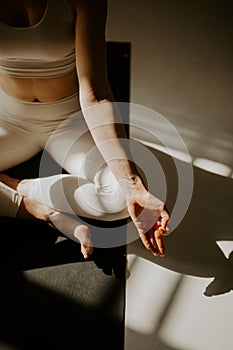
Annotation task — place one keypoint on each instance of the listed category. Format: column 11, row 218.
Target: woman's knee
column 108, row 189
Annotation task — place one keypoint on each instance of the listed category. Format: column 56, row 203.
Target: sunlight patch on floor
column 202, row 163
column 212, row 166
column 148, row 290
column 196, row 322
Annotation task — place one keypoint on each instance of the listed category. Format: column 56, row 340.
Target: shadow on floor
column 191, row 248
column 35, row 315
column 138, row 341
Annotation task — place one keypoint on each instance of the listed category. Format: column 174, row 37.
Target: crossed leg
column 89, row 189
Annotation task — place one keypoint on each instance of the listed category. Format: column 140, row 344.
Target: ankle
column 23, row 186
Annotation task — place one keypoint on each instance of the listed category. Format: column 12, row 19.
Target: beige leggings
column 26, row 128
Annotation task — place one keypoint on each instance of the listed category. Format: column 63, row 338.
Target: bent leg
column 15, row 204
column 18, row 142
column 16, row 145
column 90, row 190
column 73, row 195
column 10, row 201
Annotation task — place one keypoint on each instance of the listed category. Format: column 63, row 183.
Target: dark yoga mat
column 50, row 298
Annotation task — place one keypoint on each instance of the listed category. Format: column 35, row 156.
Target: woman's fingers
column 152, row 224
column 164, row 215
column 154, row 246
column 159, row 242
column 153, row 241
column 145, row 240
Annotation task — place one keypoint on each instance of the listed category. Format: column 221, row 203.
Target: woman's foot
column 33, row 210
column 73, row 229
column 23, row 186
column 69, row 226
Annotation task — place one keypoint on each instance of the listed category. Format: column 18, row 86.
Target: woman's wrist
column 131, row 185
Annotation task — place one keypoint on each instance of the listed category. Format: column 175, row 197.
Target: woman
column 55, row 95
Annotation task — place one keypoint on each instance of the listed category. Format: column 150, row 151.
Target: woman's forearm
column 108, row 131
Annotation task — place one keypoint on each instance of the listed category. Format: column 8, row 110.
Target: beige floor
column 167, row 310
column 181, row 66
column 184, row 301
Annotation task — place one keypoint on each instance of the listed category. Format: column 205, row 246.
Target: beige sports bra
column 46, row 49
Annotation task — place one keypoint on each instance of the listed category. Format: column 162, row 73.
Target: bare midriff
column 40, row 89
column 35, row 89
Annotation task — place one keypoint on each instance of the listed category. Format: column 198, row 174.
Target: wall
column 181, row 67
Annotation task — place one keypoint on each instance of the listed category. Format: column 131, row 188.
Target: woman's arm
column 105, row 123
column 96, row 98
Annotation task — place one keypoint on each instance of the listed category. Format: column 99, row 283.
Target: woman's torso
column 27, row 13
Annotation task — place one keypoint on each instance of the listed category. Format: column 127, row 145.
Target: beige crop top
column 46, row 49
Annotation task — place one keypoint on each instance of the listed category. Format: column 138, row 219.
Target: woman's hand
column 149, row 215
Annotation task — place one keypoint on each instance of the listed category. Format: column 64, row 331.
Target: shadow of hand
column 222, row 283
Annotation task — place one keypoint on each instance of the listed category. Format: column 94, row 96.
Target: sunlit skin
column 148, row 213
